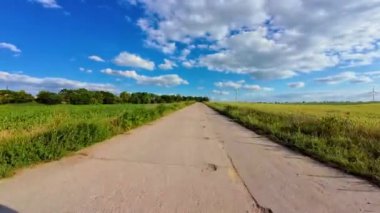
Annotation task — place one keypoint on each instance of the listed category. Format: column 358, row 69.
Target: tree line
column 84, row 96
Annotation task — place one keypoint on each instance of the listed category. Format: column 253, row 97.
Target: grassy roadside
column 33, row 134
column 350, row 144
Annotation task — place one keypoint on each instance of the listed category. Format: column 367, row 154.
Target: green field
column 344, row 135
column 32, row 133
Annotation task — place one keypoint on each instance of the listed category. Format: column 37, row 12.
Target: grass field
column 346, row 136
column 32, row 133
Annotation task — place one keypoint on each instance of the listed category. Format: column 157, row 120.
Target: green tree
column 9, row 96
column 22, row 97
column 125, row 97
column 45, row 97
column 109, row 98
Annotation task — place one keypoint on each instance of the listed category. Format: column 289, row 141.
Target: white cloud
column 220, row 92
column 252, row 87
column 96, row 58
column 253, row 53
column 200, row 88
column 82, row 69
column 361, row 79
column 167, row 65
column 188, row 64
column 373, row 74
column 184, row 53
column 267, row 89
column 299, row 84
column 351, row 77
column 316, row 96
column 162, row 80
column 183, row 21
column 132, row 60
column 33, row 84
column 267, row 39
column 48, row 3
column 230, row 84
column 241, row 85
column 10, row 47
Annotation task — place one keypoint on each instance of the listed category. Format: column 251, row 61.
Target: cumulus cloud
column 184, row 53
column 188, row 64
column 373, row 74
column 33, row 84
column 167, row 65
column 220, row 92
column 48, row 3
column 82, row 69
column 348, row 76
column 96, row 58
column 162, row 80
column 241, row 85
column 267, row 39
column 299, row 84
column 253, row 87
column 10, row 47
column 131, row 60
column 230, row 84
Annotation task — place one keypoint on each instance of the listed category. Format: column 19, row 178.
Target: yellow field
column 347, row 135
column 369, row 112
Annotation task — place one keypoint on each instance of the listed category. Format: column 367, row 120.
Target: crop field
column 32, row 133
column 344, row 135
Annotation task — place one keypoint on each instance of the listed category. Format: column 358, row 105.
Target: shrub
column 8, row 96
column 50, row 98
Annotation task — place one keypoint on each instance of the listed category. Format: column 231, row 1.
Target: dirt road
column 193, row 160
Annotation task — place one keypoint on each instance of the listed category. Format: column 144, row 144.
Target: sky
column 255, row 50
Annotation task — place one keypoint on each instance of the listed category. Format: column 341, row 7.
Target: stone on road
column 193, row 160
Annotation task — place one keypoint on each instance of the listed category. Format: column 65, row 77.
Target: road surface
column 193, row 160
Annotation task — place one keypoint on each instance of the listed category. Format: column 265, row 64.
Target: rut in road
column 193, row 160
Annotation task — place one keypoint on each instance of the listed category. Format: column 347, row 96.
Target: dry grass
column 347, row 136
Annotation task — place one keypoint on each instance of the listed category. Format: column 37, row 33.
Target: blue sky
column 209, row 48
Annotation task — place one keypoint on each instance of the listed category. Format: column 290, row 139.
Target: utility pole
column 373, row 94
column 236, row 94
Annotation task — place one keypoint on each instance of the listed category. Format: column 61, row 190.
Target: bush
column 8, row 96
column 50, row 98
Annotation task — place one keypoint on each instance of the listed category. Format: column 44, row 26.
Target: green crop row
column 72, row 131
column 349, row 144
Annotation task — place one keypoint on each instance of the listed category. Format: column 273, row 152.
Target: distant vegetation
column 347, row 136
column 31, row 133
column 35, row 133
column 84, row 97
column 9, row 97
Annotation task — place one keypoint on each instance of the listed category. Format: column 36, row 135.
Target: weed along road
column 193, row 160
